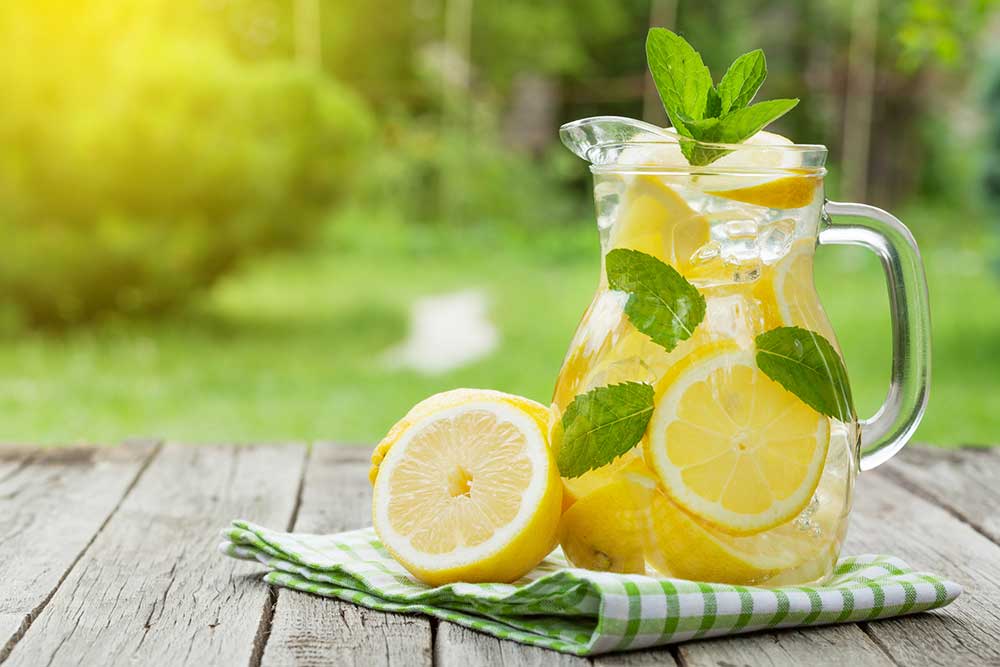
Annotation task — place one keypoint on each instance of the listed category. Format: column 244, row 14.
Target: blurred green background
column 217, row 216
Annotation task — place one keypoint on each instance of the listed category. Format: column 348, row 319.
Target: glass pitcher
column 707, row 337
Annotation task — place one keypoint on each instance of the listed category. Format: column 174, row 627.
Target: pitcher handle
column 885, row 433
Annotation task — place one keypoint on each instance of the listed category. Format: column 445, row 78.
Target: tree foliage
column 142, row 158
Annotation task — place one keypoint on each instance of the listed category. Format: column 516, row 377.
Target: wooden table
column 108, row 557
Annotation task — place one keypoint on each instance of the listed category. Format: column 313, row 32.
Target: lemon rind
column 713, row 513
column 464, row 556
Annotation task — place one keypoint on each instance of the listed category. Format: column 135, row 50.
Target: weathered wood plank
column 152, row 589
column 654, row 657
column 965, row 481
column 52, row 503
column 310, row 630
column 832, row 646
column 890, row 519
column 455, row 646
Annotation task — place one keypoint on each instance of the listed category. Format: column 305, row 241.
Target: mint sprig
column 661, row 303
column 701, row 111
column 806, row 364
column 742, row 81
column 603, row 424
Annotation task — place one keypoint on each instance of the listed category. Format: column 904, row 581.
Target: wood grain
column 965, row 481
column 152, row 589
column 108, row 562
column 653, row 657
column 890, row 519
column 52, row 503
column 310, row 630
column 455, row 646
column 833, row 646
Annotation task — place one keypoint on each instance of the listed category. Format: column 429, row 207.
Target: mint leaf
column 661, row 303
column 703, row 127
column 603, row 424
column 706, row 130
column 733, row 128
column 680, row 76
column 740, row 125
column 806, row 364
column 713, row 104
column 699, row 111
column 742, row 81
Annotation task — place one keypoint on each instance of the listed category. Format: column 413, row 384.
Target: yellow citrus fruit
column 656, row 220
column 803, row 549
column 679, row 546
column 788, row 295
column 780, row 193
column 447, row 399
column 730, row 445
column 575, row 488
column 469, row 492
column 605, row 529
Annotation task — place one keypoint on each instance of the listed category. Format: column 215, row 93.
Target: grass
column 291, row 348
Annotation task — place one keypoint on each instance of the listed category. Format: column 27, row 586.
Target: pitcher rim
column 811, row 157
column 744, row 146
column 610, row 153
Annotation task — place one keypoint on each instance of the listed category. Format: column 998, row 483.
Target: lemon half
column 469, row 491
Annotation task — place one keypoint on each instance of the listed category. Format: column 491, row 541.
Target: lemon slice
column 606, row 528
column 780, row 193
column 679, row 546
column 730, row 445
column 469, row 492
column 657, row 221
column 788, row 294
column 803, row 549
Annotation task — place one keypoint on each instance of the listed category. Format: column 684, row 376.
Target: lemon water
column 736, row 479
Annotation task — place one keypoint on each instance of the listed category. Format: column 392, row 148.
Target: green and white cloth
column 580, row 611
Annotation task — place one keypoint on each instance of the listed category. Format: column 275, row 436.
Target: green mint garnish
column 806, row 364
column 701, row 111
column 603, row 424
column 742, row 81
column 661, row 303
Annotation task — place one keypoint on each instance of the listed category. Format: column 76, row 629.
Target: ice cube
column 734, row 316
column 607, row 199
column 738, row 241
column 775, row 239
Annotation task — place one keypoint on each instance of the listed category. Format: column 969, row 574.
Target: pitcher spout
column 584, row 135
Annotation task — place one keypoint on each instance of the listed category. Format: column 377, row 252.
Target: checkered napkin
column 580, row 611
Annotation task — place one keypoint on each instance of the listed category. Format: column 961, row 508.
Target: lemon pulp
column 469, row 492
column 445, row 399
column 732, row 446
